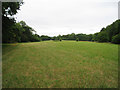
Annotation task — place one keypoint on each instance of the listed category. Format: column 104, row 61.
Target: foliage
column 60, row 39
column 27, row 33
column 12, row 31
column 77, row 39
column 21, row 32
column 102, row 37
column 10, row 8
column 8, row 23
column 45, row 38
column 116, row 39
column 108, row 34
column 81, row 37
column 7, row 31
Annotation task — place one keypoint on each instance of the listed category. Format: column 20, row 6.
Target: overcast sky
column 54, row 17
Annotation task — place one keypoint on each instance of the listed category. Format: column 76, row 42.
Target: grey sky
column 54, row 17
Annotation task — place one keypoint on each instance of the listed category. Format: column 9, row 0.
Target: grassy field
column 66, row 64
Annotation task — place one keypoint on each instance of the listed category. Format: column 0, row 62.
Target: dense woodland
column 13, row 31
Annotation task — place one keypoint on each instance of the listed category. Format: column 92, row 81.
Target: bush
column 102, row 37
column 77, row 39
column 60, row 39
column 116, row 39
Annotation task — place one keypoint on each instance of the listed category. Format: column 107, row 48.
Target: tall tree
column 9, row 9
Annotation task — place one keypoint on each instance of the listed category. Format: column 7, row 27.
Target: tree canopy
column 13, row 31
column 109, row 34
column 10, row 8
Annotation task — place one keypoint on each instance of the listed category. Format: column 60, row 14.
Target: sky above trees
column 54, row 17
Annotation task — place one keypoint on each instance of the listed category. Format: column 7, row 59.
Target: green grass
column 66, row 64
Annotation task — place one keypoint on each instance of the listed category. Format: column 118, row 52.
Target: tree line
column 73, row 36
column 109, row 34
column 13, row 31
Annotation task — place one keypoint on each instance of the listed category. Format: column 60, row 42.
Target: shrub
column 60, row 39
column 77, row 39
column 116, row 39
column 102, row 37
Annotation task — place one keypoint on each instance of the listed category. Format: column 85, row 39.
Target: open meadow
column 55, row 64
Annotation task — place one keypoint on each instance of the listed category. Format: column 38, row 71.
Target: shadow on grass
column 8, row 47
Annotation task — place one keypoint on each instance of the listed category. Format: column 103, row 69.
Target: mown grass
column 66, row 64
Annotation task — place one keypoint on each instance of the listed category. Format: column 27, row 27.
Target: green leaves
column 116, row 39
column 109, row 34
column 102, row 37
column 10, row 8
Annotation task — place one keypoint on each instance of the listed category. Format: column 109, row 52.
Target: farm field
column 66, row 64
